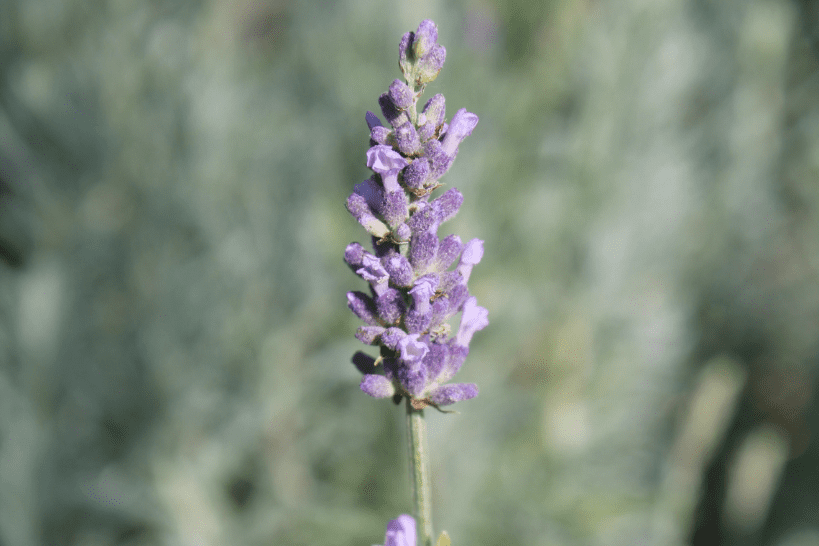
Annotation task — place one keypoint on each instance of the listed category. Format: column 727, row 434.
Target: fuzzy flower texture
column 414, row 290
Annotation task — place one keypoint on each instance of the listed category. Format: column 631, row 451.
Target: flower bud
column 454, row 392
column 417, row 173
column 377, row 386
column 399, row 269
column 424, row 247
column 357, row 206
column 401, row 95
column 363, row 306
column 390, row 306
column 407, row 139
column 428, row 66
column 434, row 112
column 369, row 334
column 394, row 116
column 448, row 203
column 425, row 38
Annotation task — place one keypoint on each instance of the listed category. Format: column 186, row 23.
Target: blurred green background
column 174, row 339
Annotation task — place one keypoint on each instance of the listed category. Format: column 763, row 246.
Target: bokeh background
column 174, row 339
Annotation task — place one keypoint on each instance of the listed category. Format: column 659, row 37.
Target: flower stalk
column 420, row 472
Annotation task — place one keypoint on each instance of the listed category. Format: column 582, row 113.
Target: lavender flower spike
column 413, row 292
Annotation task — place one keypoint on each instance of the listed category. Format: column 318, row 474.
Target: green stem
column 420, row 473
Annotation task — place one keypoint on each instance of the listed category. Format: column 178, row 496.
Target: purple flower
column 462, row 125
column 401, row 532
column 422, row 291
column 412, row 292
column 471, row 256
column 373, row 272
column 474, row 318
column 388, row 163
column 412, row 350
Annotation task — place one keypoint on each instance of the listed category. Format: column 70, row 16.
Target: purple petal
column 371, row 191
column 377, row 386
column 412, row 350
column 401, row 532
column 474, row 318
column 460, row 127
column 391, row 337
column 374, row 273
column 471, row 256
column 383, row 160
column 422, row 291
column 456, row 392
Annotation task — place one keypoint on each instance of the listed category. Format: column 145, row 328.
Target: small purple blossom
column 462, row 125
column 471, row 256
column 474, row 318
column 401, row 532
column 413, row 292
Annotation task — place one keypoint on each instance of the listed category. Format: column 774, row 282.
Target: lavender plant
column 414, row 290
